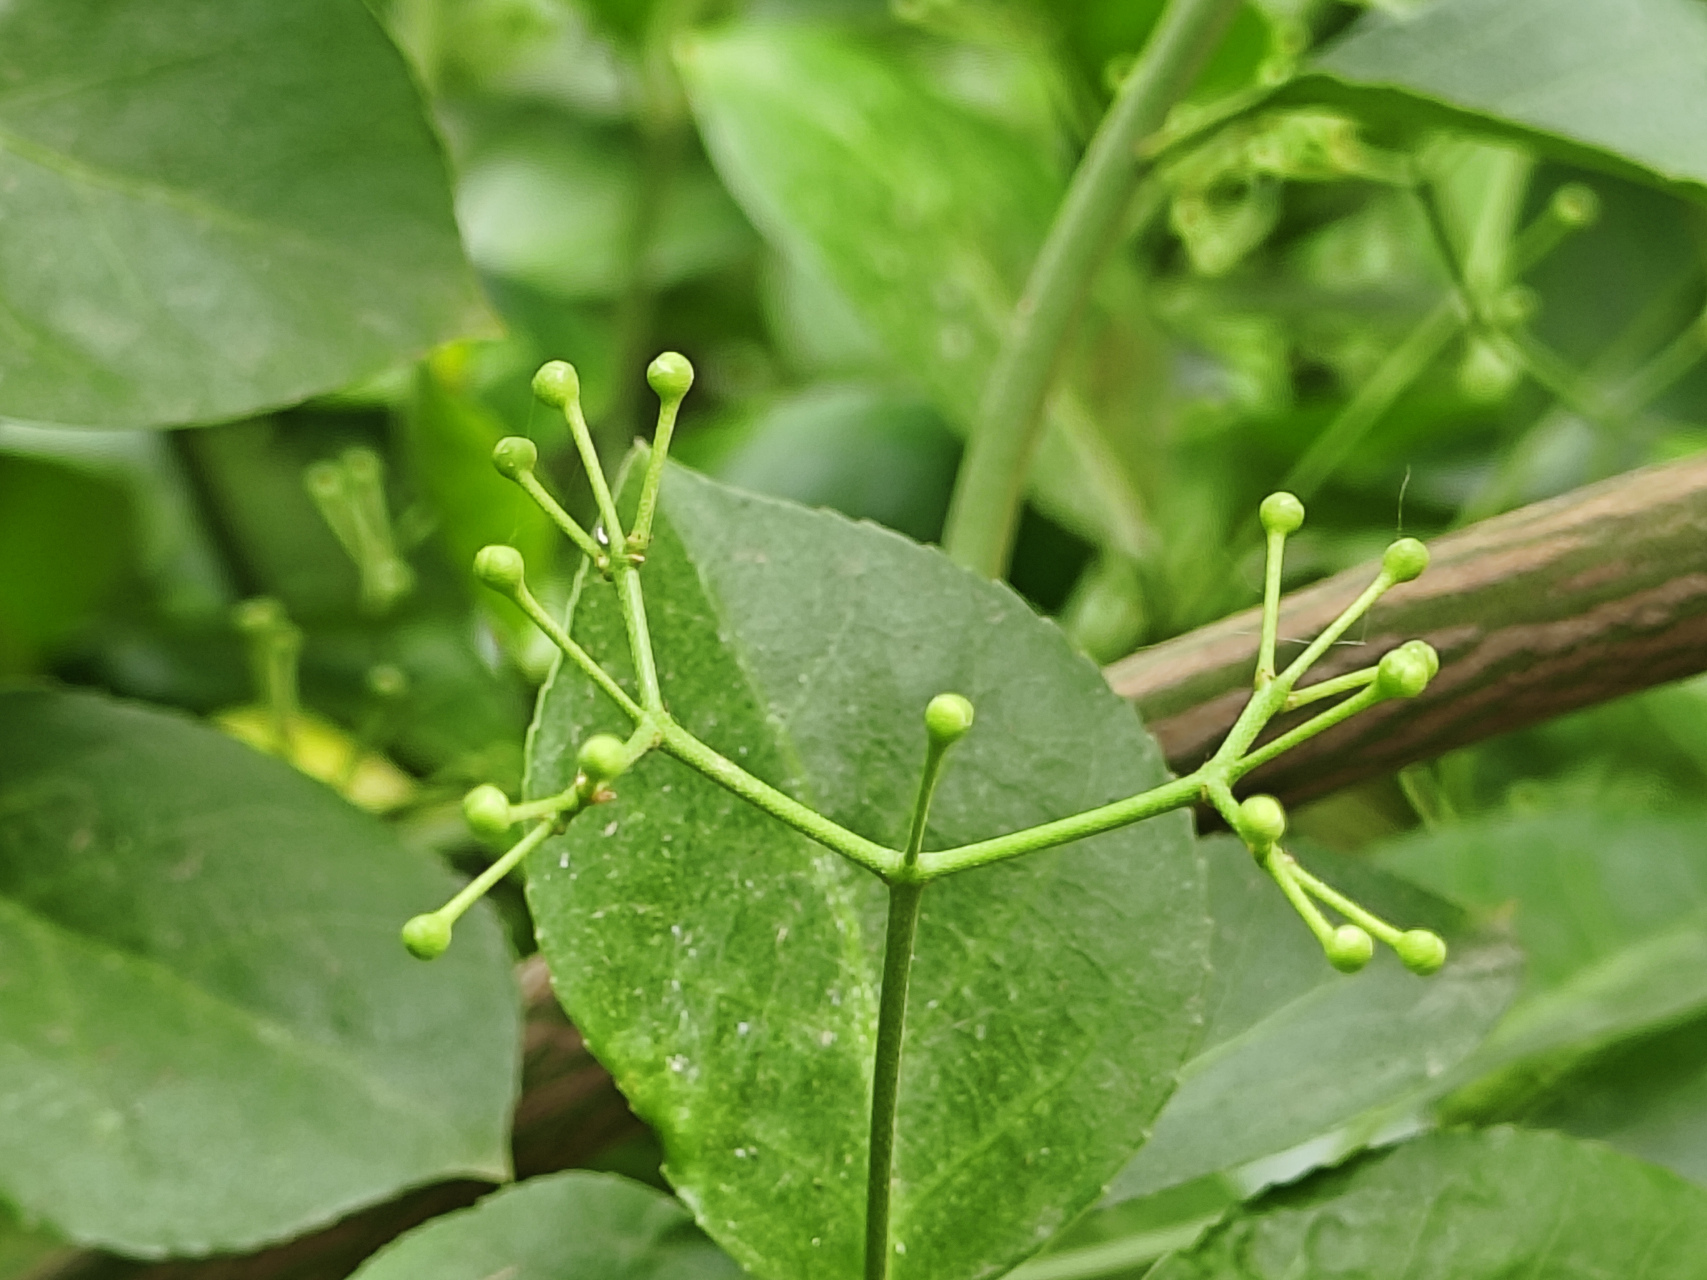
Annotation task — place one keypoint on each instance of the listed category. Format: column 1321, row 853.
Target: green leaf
column 213, row 207
column 1470, row 1206
column 1620, row 80
column 726, row 969
column 1296, row 1052
column 924, row 216
column 1612, row 910
column 563, row 1227
column 210, row 1037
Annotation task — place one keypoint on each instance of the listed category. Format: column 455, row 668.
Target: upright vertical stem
column 991, row 486
column 886, row 1071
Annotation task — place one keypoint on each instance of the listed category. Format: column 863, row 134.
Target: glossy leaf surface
column 1620, row 77
column 1466, row 1206
column 213, row 207
column 562, row 1227
column 726, row 969
column 209, row 1035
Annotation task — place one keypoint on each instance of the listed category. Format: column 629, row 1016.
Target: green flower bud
column 1262, row 821
column 1422, row 951
column 393, row 579
column 386, row 680
column 1281, row 513
column 1426, row 651
column 487, row 811
column 947, row 718
column 1402, row 673
column 514, row 456
column 325, row 480
column 556, row 383
column 1349, row 949
column 259, row 615
column 1405, row 560
column 427, row 936
column 363, row 465
column 670, row 376
column 602, row 757
column 1576, row 206
column 500, row 568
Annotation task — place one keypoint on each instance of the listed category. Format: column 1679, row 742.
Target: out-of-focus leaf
column 1621, row 78
column 726, row 969
column 1296, row 1052
column 213, row 207
column 867, row 451
column 210, row 1037
column 65, row 537
column 567, row 1226
column 23, row 1249
column 1472, row 1206
column 923, row 215
column 555, row 209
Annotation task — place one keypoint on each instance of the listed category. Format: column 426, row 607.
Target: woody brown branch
column 1556, row 606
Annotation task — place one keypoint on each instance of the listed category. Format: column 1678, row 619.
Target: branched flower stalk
column 1259, row 820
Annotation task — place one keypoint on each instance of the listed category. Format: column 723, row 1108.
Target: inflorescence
column 1259, row 820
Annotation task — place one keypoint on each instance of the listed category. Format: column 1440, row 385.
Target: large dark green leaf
column 1623, row 78
column 1295, row 1052
column 922, row 215
column 569, row 1226
column 1466, row 1206
column 726, row 969
column 209, row 1035
column 212, row 207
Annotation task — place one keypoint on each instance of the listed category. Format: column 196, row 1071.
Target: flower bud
column 556, row 383
column 427, row 936
column 670, row 376
column 1576, row 205
column 514, row 456
column 1422, row 951
column 1405, row 560
column 487, row 811
column 1402, row 673
column 947, row 718
column 1350, row 948
column 602, row 757
column 1281, row 513
column 1426, row 651
column 500, row 568
column 1262, row 821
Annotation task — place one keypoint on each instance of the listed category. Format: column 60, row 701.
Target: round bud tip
column 947, row 718
column 1576, row 205
column 500, row 568
column 1281, row 513
column 487, row 810
column 387, row 680
column 427, row 936
column 1426, row 651
column 1422, row 951
column 556, row 383
column 1350, row 948
column 1405, row 560
column 670, row 375
column 1401, row 673
column 258, row 615
column 602, row 757
column 1262, row 819
column 514, row 456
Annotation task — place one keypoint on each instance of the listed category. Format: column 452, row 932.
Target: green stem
column 1346, row 907
column 1360, row 701
column 595, row 471
column 1270, row 607
column 1370, row 403
column 639, row 637
column 1280, row 867
column 726, row 773
column 570, row 527
column 1350, row 681
column 990, row 488
column 903, row 927
column 1170, row 795
column 1335, row 629
column 640, row 537
column 554, row 631
column 476, row 888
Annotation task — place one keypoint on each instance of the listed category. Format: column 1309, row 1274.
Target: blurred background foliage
column 830, row 207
